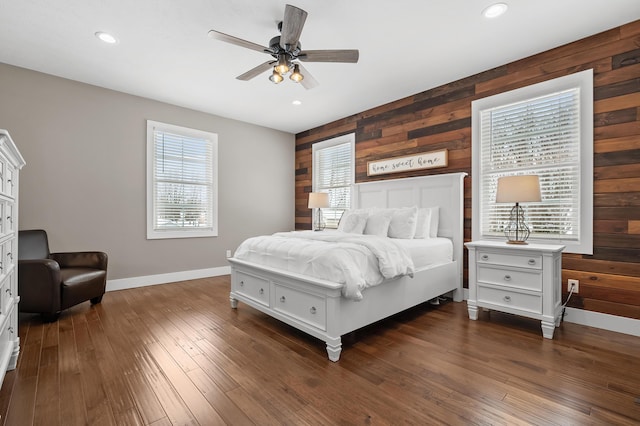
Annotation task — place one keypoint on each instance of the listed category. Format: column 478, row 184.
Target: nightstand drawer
column 531, row 280
column 510, row 299
column 508, row 259
column 253, row 287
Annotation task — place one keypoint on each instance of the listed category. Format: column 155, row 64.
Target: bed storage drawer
column 253, row 287
column 305, row 307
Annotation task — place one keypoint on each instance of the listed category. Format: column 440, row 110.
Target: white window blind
column 543, row 136
column 540, row 137
column 333, row 172
column 182, row 182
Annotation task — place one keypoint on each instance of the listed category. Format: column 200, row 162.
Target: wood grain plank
column 195, row 401
column 426, row 365
column 634, row 227
column 613, row 55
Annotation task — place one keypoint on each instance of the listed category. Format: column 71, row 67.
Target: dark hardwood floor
column 177, row 354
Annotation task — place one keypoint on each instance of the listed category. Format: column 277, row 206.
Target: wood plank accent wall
column 441, row 118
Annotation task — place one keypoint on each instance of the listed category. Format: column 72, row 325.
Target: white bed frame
column 316, row 307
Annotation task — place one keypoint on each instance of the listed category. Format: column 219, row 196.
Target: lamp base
column 319, row 225
column 516, row 230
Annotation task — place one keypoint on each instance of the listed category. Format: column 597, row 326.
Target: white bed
column 317, row 306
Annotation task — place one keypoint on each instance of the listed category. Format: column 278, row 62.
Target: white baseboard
column 605, row 321
column 597, row 320
column 577, row 316
column 125, row 283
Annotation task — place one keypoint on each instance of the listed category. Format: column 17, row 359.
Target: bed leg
column 473, row 312
column 458, row 295
column 334, row 347
column 233, row 301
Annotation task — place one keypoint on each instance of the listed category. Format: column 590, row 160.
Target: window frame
column 212, row 138
column 348, row 138
column 584, row 82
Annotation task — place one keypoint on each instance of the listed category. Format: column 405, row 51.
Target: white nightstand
column 518, row 279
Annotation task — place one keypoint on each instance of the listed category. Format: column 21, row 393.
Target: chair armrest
column 81, row 259
column 39, row 283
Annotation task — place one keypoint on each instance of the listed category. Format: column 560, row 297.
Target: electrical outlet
column 575, row 284
column 228, row 253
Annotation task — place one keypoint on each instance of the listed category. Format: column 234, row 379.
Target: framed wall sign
column 428, row 160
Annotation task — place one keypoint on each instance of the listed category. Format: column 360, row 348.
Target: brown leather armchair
column 51, row 282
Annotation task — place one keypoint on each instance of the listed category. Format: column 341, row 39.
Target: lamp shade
column 518, row 189
column 318, row 200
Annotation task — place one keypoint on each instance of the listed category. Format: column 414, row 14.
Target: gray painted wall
column 84, row 181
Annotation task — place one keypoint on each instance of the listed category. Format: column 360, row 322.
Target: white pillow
column 403, row 222
column 423, row 225
column 378, row 223
column 435, row 220
column 353, row 221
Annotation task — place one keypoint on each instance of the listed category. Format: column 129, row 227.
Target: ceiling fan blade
column 308, row 82
column 347, row 55
column 292, row 26
column 237, row 41
column 254, row 72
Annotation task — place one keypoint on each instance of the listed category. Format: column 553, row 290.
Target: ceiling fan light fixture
column 295, row 75
column 276, row 77
column 282, row 67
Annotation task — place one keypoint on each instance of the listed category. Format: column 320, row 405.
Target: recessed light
column 297, row 102
column 495, row 10
column 106, row 37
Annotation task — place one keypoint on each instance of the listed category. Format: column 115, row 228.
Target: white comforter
column 357, row 261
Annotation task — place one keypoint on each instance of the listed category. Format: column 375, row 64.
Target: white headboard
column 444, row 190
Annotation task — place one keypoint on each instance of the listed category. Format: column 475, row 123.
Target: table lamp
column 518, row 189
column 318, row 200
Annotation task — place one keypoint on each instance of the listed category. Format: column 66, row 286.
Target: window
column 545, row 129
column 181, row 182
column 333, row 172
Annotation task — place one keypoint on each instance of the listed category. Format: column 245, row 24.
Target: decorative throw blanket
column 357, row 261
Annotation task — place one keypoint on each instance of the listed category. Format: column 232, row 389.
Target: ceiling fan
column 287, row 51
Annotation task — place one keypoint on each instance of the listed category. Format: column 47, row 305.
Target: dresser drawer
column 508, row 259
column 252, row 287
column 527, row 279
column 302, row 306
column 504, row 297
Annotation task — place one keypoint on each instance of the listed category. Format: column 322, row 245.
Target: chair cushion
column 80, row 284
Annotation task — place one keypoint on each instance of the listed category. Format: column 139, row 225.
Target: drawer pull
column 532, row 261
column 8, row 291
column 241, row 283
column 283, row 299
column 507, row 298
column 262, row 291
column 313, row 310
column 485, row 257
column 507, row 277
column 10, row 256
column 10, row 330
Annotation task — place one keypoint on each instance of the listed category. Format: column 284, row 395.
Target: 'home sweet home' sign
column 428, row 160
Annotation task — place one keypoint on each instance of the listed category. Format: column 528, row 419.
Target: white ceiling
column 406, row 47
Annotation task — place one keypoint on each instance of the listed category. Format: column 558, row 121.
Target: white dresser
column 518, row 279
column 10, row 164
